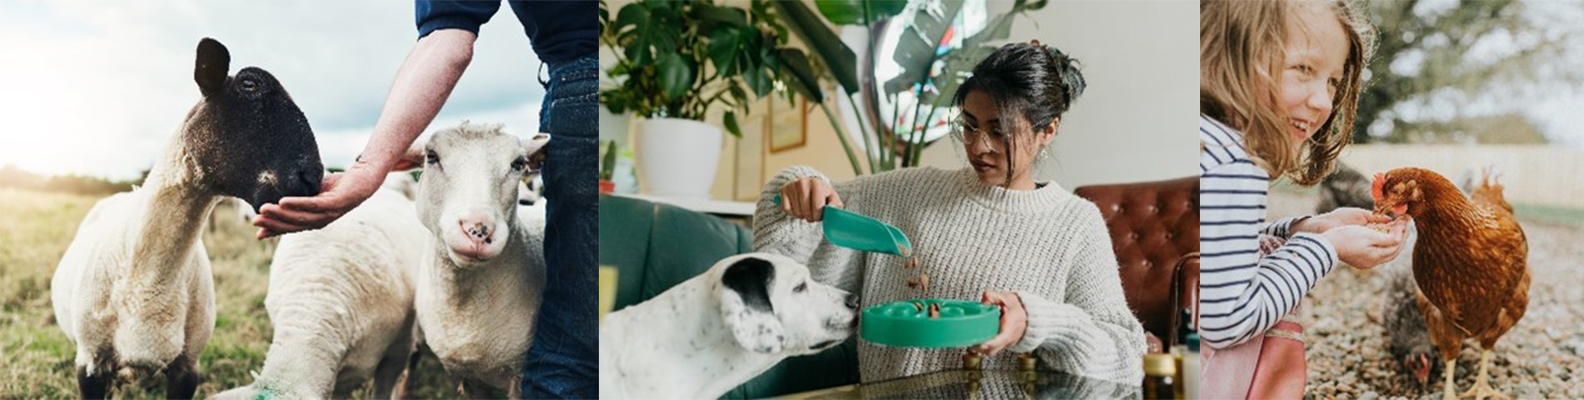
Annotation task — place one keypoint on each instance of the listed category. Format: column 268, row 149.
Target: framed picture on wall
column 749, row 164
column 787, row 124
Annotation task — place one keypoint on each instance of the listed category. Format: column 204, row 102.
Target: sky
column 99, row 87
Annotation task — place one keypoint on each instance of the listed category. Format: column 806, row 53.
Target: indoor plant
column 607, row 167
column 675, row 60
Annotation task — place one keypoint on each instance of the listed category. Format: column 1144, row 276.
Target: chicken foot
column 1482, row 387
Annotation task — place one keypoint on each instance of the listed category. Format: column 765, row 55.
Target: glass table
column 976, row 384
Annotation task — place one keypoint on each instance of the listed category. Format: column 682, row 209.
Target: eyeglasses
column 970, row 133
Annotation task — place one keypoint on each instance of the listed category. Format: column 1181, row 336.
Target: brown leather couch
column 1155, row 233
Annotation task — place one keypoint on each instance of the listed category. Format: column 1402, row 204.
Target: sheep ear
column 745, row 306
column 535, row 149
column 412, row 158
column 214, row 61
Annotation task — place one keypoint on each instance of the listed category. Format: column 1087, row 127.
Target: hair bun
column 1032, row 79
column 1067, row 72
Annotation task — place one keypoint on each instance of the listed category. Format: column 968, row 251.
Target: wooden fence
column 1532, row 174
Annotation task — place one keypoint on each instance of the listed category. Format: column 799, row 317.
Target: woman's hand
column 1363, row 247
column 1337, row 218
column 806, row 199
column 1014, row 321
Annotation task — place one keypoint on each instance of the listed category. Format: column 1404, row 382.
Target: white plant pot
column 677, row 157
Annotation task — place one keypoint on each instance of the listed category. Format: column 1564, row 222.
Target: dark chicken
column 1407, row 338
column 1345, row 187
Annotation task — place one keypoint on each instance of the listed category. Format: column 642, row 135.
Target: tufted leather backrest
column 1155, row 234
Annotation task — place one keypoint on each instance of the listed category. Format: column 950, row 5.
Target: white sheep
column 341, row 302
column 134, row 290
column 480, row 287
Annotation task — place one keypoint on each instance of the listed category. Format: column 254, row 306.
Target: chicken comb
column 1376, row 187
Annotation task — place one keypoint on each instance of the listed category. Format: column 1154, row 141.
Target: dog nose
column 852, row 301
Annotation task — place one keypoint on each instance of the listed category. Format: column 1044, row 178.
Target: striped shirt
column 1242, row 292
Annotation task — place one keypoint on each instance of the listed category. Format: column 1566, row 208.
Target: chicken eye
column 800, row 288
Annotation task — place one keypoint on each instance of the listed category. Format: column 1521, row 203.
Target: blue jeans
column 561, row 364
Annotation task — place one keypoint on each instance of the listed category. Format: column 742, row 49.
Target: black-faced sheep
column 134, row 289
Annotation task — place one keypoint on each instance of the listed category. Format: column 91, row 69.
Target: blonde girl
column 1279, row 89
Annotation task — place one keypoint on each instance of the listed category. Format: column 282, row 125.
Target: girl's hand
column 1014, row 321
column 806, row 199
column 1337, row 218
column 1366, row 248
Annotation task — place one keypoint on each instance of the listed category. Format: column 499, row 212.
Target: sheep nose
column 310, row 180
column 477, row 228
column 852, row 301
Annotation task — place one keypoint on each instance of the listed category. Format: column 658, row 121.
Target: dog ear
column 745, row 305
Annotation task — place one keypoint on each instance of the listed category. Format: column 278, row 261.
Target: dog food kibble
column 920, row 282
column 911, row 263
column 918, row 306
column 934, row 311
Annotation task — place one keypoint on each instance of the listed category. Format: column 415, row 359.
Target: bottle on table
column 1160, row 372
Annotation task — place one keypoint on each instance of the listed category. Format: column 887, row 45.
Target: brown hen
column 1470, row 262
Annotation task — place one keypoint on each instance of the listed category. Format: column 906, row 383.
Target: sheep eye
column 249, row 85
column 519, row 164
column 431, row 157
column 800, row 288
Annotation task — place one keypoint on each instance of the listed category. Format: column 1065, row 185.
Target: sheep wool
column 1048, row 245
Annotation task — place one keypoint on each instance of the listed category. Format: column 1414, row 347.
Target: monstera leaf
column 858, row 12
column 925, row 42
column 841, row 60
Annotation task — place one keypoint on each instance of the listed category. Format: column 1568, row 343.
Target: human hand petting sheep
column 422, row 85
column 341, row 193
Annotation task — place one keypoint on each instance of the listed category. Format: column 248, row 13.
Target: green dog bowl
column 907, row 323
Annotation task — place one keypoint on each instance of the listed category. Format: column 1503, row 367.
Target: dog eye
column 249, row 85
column 431, row 157
column 800, row 288
column 519, row 164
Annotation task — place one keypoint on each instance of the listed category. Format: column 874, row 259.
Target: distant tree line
column 1433, row 40
column 13, row 177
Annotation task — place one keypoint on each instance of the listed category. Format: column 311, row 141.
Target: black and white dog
column 709, row 334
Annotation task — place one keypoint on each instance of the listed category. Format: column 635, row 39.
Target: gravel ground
column 1542, row 357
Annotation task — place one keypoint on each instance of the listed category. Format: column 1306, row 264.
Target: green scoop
column 860, row 232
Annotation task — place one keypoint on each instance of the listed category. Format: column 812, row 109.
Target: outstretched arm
column 422, row 85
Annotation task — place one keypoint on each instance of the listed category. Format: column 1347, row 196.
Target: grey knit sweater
column 1049, row 246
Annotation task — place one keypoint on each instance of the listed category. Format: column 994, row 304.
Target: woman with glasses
column 989, row 232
